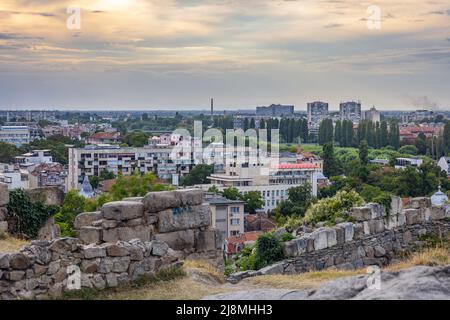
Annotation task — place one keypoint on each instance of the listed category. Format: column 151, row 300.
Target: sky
column 177, row 54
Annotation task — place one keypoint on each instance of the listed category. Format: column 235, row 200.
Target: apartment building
column 350, row 110
column 14, row 177
column 17, row 135
column 372, row 115
column 35, row 157
column 275, row 110
column 227, row 216
column 272, row 181
column 317, row 111
column 166, row 162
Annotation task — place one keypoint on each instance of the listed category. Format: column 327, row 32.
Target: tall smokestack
column 212, row 109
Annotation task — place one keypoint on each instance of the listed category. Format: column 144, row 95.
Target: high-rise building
column 275, row 110
column 350, row 110
column 317, row 111
column 372, row 115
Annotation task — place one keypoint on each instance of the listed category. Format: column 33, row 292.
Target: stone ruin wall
column 375, row 238
column 125, row 240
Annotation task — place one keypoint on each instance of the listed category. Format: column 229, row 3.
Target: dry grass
column 299, row 281
column 437, row 256
column 10, row 244
column 201, row 279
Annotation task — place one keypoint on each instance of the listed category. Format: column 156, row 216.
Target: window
column 235, row 222
column 234, row 209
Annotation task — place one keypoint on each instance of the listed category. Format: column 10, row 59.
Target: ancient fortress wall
column 125, row 240
column 374, row 238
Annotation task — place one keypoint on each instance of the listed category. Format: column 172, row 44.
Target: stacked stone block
column 374, row 238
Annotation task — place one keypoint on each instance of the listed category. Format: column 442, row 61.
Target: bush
column 268, row 250
column 27, row 217
column 328, row 209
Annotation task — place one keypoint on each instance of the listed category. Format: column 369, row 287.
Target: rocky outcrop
column 46, row 195
column 375, row 238
column 4, row 200
column 417, row 283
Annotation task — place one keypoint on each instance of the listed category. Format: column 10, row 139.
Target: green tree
column 73, row 205
column 329, row 209
column 330, row 163
column 135, row 185
column 384, row 134
column 136, row 139
column 8, row 152
column 253, row 201
column 363, row 152
column 446, row 138
column 231, row 193
column 268, row 250
column 198, row 175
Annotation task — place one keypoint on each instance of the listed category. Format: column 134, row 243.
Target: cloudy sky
column 169, row 54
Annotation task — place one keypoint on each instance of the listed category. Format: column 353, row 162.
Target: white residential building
column 17, row 135
column 35, row 157
column 271, row 181
column 444, row 164
column 402, row 163
column 14, row 177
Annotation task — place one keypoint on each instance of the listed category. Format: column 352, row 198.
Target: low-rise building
column 104, row 138
column 402, row 163
column 14, row 177
column 48, row 175
column 35, row 157
column 444, row 164
column 235, row 244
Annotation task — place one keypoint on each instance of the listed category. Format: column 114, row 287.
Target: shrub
column 268, row 250
column 27, row 217
column 286, row 237
column 329, row 209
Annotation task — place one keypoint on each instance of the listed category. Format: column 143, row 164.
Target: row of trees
column 378, row 135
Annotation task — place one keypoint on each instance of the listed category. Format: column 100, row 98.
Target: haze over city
column 172, row 54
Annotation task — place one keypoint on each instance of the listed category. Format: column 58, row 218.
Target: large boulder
column 158, row 201
column 123, row 210
column 177, row 219
column 90, row 235
column 86, row 219
column 361, row 213
column 178, row 240
column 4, row 195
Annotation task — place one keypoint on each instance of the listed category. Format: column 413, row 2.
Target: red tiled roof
column 244, row 237
column 104, row 135
column 296, row 166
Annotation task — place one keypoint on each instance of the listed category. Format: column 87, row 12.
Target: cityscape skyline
column 129, row 54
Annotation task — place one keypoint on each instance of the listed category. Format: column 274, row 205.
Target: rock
column 64, row 245
column 158, row 201
column 90, row 235
column 109, row 224
column 331, row 237
column 110, row 235
column 206, row 240
column 98, row 282
column 111, row 280
column 122, row 210
column 279, row 232
column 53, row 267
column 379, row 251
column 361, row 214
column 437, row 213
column 348, row 230
column 4, row 261
column 376, row 226
column 134, row 222
column 345, row 266
column 116, row 250
column 86, row 219
column 139, row 232
column 413, row 216
column 378, row 210
column 3, row 214
column 178, row 240
column 324, row 238
column 56, row 290
column 190, row 197
column 90, row 266
column 290, row 249
column 183, row 218
column 417, row 283
column 121, row 264
column 420, row 202
column 19, row 261
column 3, row 226
column 4, row 195
column 94, row 251
column 159, row 248
column 136, row 199
column 39, row 269
column 273, row 269
column 15, row 275
column 49, row 231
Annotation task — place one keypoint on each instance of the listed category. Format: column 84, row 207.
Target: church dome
column 439, row 198
column 86, row 189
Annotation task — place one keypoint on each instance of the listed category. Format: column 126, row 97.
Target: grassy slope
column 9, row 244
